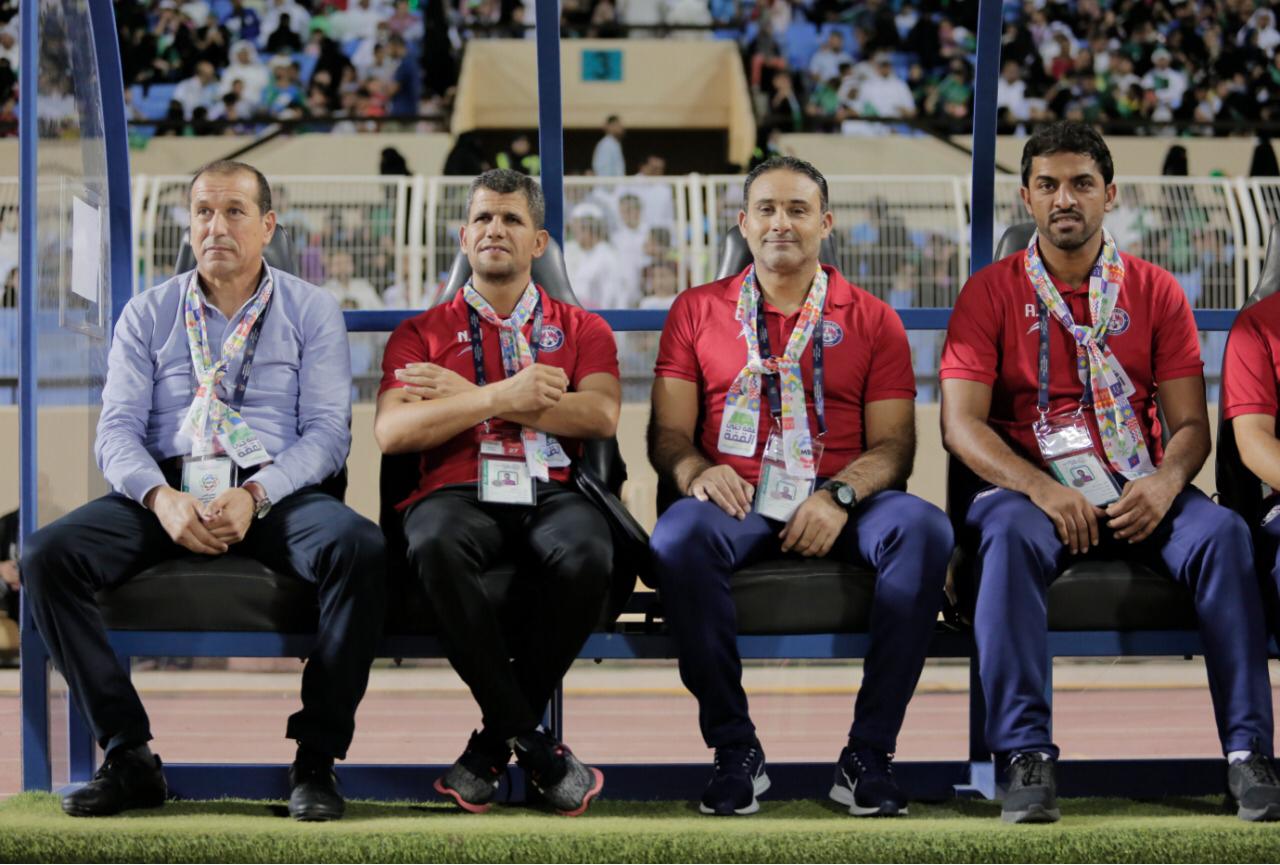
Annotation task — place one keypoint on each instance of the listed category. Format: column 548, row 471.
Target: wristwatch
column 261, row 501
column 843, row 494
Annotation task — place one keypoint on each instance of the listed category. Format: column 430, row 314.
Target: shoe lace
column 1258, row 769
column 872, row 762
column 735, row 758
column 1033, row 768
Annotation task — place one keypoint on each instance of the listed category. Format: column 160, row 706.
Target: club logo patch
column 832, row 334
column 1271, row 515
column 552, row 338
column 1119, row 322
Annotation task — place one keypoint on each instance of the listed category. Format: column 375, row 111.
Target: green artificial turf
column 33, row 829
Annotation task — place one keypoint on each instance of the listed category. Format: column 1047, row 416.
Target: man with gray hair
column 227, row 405
column 496, row 389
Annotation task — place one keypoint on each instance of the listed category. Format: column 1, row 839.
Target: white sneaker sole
column 758, row 788
column 846, row 796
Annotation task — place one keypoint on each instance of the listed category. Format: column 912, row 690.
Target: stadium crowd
column 819, row 65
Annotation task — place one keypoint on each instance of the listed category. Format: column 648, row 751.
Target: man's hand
column 229, row 516
column 1142, row 506
column 535, row 388
column 432, row 381
column 1075, row 519
column 725, row 487
column 814, row 527
column 180, row 515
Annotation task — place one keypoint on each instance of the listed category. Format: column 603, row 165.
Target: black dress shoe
column 127, row 779
column 314, row 795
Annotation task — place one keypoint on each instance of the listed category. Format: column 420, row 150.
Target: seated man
column 747, row 467
column 1053, row 360
column 227, row 402
column 496, row 389
column 1250, row 372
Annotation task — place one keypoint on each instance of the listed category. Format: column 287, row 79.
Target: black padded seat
column 211, row 593
column 1090, row 595
column 1118, row 595
column 803, row 596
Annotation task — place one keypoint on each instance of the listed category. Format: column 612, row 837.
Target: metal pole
column 985, row 78
column 550, row 115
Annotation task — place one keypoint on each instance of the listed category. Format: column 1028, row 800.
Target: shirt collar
column 839, row 292
column 262, row 283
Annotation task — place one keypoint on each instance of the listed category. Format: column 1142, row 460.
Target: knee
column 587, row 562
column 43, row 563
column 682, row 532
column 921, row 526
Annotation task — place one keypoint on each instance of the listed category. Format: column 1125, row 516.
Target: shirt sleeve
column 120, row 446
column 324, row 404
column 677, row 356
column 1248, row 372
column 597, row 349
column 890, row 375
column 972, row 349
column 1176, row 342
column 403, row 348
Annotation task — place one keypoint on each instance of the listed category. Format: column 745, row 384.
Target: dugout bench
column 788, row 609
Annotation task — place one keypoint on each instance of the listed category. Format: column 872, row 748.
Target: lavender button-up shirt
column 298, row 398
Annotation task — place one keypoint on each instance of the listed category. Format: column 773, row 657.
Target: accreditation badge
column 778, row 492
column 502, row 474
column 1067, row 447
column 207, row 477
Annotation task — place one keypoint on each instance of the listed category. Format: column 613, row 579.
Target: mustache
column 1057, row 213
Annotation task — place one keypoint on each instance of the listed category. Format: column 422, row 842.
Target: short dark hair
column 505, row 181
column 231, row 166
column 1068, row 136
column 786, row 163
column 613, row 118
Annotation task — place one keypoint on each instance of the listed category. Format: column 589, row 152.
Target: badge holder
column 503, row 476
column 779, row 492
column 209, row 475
column 1067, row 446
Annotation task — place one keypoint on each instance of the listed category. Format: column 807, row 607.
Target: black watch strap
column 844, row 495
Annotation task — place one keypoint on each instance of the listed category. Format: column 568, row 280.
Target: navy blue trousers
column 697, row 547
column 1199, row 544
column 309, row 535
column 1266, row 543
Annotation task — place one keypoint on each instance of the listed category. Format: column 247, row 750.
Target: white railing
column 390, row 241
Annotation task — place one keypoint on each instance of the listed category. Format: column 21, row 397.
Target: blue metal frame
column 630, row 641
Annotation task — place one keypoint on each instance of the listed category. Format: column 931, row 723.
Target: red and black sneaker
column 472, row 781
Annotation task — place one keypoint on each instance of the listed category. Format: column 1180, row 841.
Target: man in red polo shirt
column 1250, row 372
column 496, row 389
column 783, row 412
column 1053, row 360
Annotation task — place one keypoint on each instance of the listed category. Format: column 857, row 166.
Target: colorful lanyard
column 1086, row 398
column 772, row 386
column 477, row 341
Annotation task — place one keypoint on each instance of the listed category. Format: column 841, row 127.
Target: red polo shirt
column 994, row 338
column 577, row 341
column 1252, row 361
column 865, row 358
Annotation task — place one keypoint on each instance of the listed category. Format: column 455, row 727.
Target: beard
column 1072, row 239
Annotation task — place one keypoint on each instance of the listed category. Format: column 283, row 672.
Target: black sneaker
column 314, row 796
column 473, row 779
column 562, row 779
column 127, row 779
column 864, row 782
column 1032, row 796
column 1253, row 787
column 737, row 779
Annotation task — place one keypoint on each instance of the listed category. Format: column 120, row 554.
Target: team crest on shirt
column 832, row 334
column 552, row 338
column 1119, row 322
column 1271, row 515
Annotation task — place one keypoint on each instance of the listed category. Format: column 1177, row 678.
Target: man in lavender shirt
column 296, row 400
